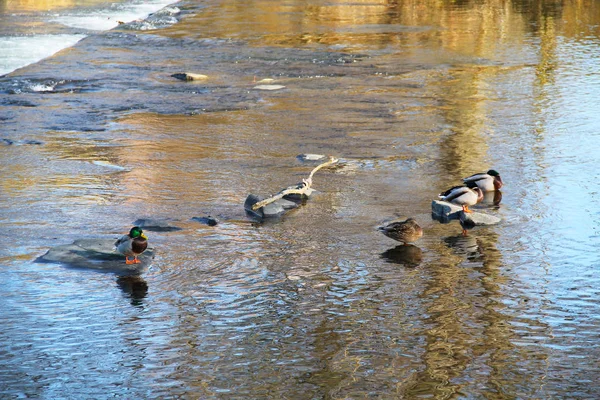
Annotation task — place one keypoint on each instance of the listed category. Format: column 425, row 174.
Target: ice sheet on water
column 109, row 18
column 17, row 52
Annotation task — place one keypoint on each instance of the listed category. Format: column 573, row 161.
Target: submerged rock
column 311, row 157
column 210, row 221
column 155, row 225
column 10, row 142
column 445, row 212
column 96, row 254
column 108, row 164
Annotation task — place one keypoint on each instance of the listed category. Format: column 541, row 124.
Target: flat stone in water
column 108, row 164
column 286, row 204
column 9, row 142
column 310, row 157
column 268, row 87
column 155, row 225
column 189, row 76
column 445, row 212
column 96, row 254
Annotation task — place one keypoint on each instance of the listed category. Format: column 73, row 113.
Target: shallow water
column 411, row 97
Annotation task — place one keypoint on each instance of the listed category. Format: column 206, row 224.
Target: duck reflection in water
column 404, row 231
column 408, row 255
column 466, row 246
column 466, row 222
column 491, row 199
column 135, row 287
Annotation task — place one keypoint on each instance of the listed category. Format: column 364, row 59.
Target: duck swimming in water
column 487, row 181
column 462, row 196
column 132, row 245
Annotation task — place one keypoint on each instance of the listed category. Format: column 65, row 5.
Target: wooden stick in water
column 306, row 184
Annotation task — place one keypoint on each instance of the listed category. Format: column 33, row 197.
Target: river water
column 411, row 96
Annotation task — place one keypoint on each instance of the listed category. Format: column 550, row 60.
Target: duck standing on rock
column 463, row 196
column 132, row 245
column 487, row 181
column 403, row 231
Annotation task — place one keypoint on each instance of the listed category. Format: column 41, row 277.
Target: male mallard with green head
column 132, row 245
column 462, row 196
column 403, row 231
column 487, row 181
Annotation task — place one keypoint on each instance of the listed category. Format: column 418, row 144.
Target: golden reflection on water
column 467, row 325
column 36, row 5
column 44, row 5
column 467, row 328
column 472, row 37
column 193, row 163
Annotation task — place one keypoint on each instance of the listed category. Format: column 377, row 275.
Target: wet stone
column 445, row 212
column 274, row 209
column 9, row 142
column 268, row 87
column 96, row 254
column 297, row 198
column 311, row 157
column 156, row 225
column 189, row 76
column 286, row 204
column 210, row 221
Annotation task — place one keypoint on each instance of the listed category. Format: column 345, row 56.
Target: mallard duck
column 132, row 245
column 462, row 196
column 403, row 231
column 487, row 181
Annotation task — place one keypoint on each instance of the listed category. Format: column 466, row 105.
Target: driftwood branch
column 304, row 187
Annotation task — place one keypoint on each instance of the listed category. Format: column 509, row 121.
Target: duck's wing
column 453, row 192
column 121, row 240
column 476, row 177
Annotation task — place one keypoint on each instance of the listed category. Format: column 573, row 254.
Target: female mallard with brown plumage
column 462, row 196
column 132, row 245
column 405, row 231
column 487, row 181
